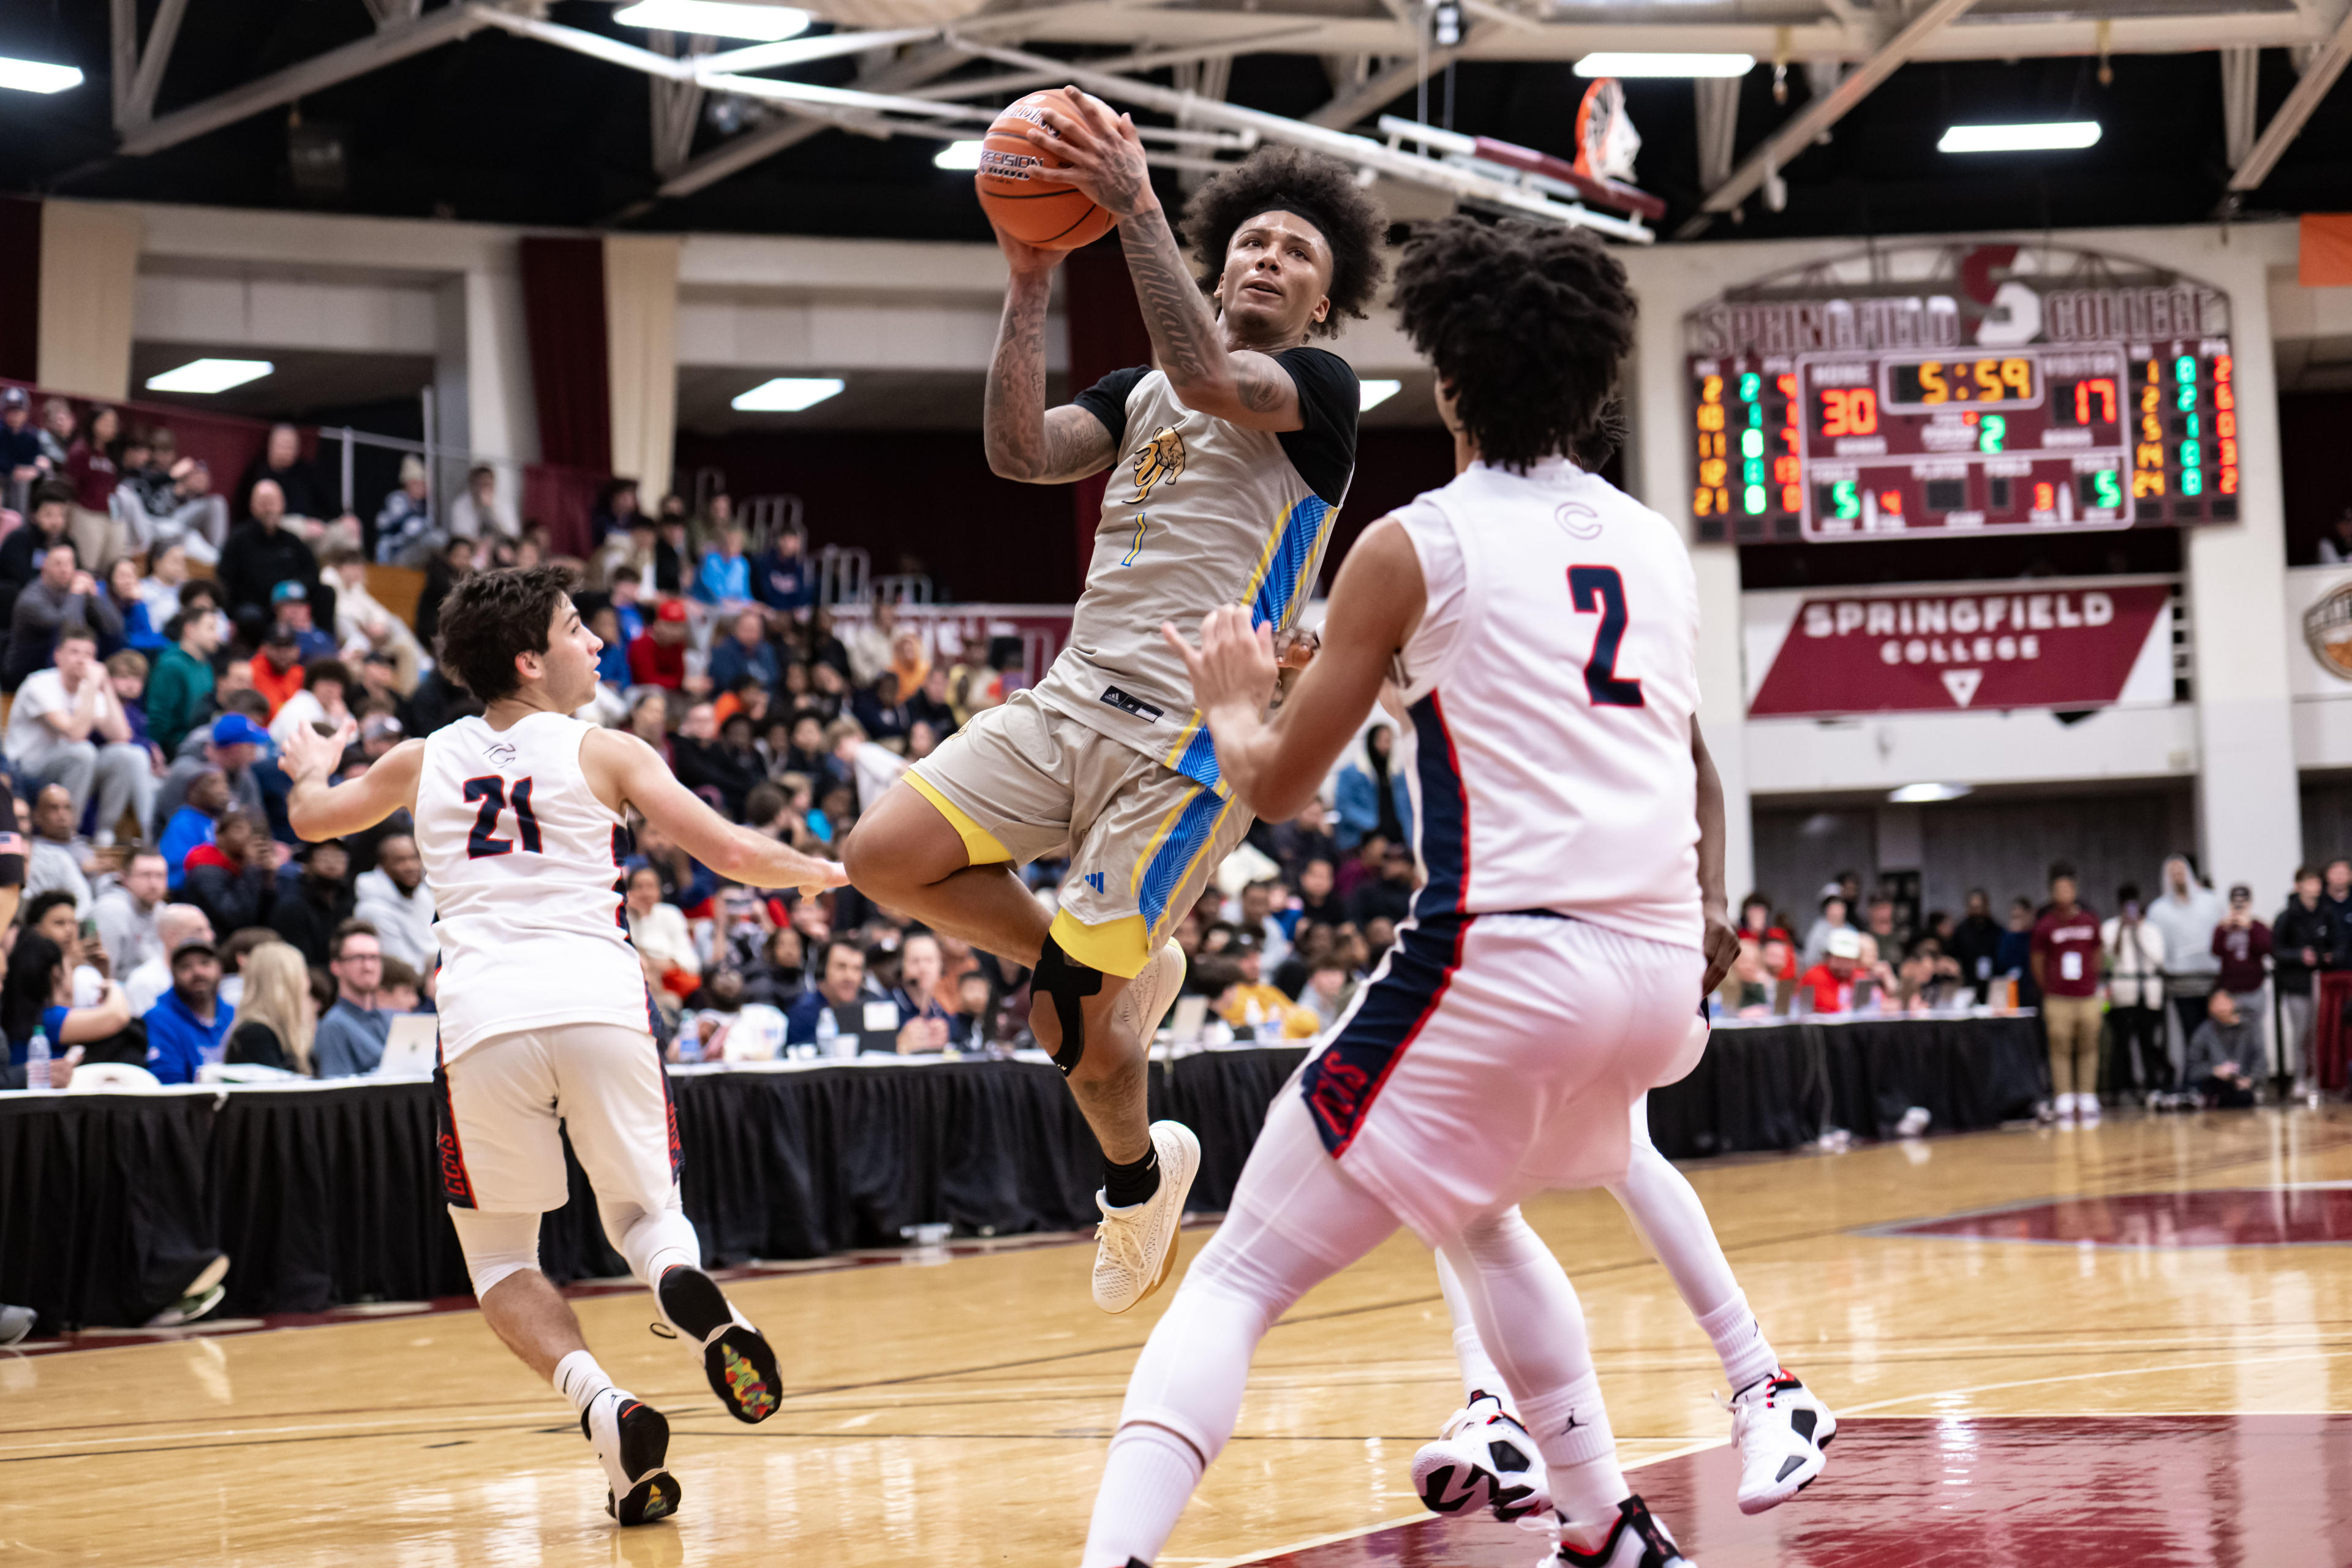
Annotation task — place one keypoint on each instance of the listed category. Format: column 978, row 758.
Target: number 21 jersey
column 524, row 860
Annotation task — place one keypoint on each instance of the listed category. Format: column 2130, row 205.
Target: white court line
column 2313, row 1354
column 1422, row 1517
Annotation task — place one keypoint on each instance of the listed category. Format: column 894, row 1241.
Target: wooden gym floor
column 2130, row 1344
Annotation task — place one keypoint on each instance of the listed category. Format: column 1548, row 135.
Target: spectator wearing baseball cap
column 291, row 604
column 231, row 747
column 659, row 656
column 188, row 1027
column 278, row 667
column 20, row 447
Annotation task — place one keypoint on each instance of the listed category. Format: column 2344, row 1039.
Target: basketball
column 1019, row 192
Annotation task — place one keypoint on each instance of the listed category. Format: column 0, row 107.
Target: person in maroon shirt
column 657, row 655
column 2242, row 944
column 2066, row 958
column 90, row 469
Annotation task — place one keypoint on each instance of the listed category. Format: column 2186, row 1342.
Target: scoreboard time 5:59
column 1851, row 445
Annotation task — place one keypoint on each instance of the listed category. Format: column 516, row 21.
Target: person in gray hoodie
column 2225, row 1056
column 2185, row 914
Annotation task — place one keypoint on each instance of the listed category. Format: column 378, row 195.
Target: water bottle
column 36, row 1061
column 827, row 1031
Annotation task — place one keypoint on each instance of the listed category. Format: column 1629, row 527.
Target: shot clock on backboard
column 1961, row 390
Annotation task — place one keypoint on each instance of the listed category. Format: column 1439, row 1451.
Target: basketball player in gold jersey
column 1230, row 460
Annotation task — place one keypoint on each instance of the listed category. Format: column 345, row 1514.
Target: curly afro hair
column 1320, row 189
column 1527, row 325
column 492, row 617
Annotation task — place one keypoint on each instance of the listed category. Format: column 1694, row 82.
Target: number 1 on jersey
column 490, row 792
column 1600, row 588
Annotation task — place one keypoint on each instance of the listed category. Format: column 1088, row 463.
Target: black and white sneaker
column 632, row 1442
column 1782, row 1431
column 1634, row 1541
column 737, row 1360
column 1483, row 1459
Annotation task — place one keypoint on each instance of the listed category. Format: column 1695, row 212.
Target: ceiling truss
column 1386, row 45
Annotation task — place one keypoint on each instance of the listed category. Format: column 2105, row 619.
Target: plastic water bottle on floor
column 36, row 1061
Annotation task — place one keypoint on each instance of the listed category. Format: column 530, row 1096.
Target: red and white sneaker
column 1635, row 1540
column 1783, row 1434
column 1483, row 1459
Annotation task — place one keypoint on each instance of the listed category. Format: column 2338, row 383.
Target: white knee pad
column 652, row 1240
column 496, row 1244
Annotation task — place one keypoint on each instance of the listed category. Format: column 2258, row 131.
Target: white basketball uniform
column 546, row 1024
column 1549, row 973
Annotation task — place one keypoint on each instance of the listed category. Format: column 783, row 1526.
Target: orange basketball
column 1018, row 191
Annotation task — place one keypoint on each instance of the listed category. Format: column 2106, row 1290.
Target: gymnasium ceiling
column 475, row 120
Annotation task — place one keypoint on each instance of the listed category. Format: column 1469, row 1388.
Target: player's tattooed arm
column 1025, row 441
column 1105, row 159
column 1721, row 939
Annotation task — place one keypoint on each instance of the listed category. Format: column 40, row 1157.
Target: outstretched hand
column 820, row 877
column 1103, row 156
column 1235, row 665
column 311, row 756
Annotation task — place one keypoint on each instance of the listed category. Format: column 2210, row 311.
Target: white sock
column 578, row 1379
column 1739, row 1341
column 1572, row 1426
column 1479, row 1373
column 1146, row 1483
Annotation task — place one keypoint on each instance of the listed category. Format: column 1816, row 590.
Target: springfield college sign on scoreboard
column 1827, row 412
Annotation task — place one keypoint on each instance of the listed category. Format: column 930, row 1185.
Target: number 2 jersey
column 1551, row 685
column 523, row 861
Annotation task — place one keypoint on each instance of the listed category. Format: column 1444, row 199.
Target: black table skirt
column 329, row 1195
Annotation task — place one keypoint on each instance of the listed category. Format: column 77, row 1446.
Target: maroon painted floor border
column 2158, row 1491
column 2314, row 1215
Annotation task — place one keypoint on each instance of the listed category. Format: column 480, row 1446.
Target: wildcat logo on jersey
column 1159, row 462
column 498, row 755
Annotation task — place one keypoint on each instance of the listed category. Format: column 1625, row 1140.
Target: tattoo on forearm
column 1014, row 415
column 1261, row 383
column 1183, row 330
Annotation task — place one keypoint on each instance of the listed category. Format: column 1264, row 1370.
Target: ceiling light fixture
column 1633, row 64
column 210, row 375
column 2056, row 135
column 1373, row 394
column 717, row 19
column 789, row 394
column 35, row 76
column 957, row 155
column 1927, row 793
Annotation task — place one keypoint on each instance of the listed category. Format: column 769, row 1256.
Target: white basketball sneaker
column 1135, row 1248
column 632, row 1442
column 1635, row 1540
column 1783, row 1434
column 1146, row 999
column 1483, row 1459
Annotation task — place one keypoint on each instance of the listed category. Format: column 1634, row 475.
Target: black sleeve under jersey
column 1323, row 449
column 1107, row 400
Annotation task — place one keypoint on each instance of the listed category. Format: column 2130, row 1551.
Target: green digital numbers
column 1991, row 433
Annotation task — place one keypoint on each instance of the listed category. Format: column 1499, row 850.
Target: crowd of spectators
column 164, row 640
column 2162, row 1001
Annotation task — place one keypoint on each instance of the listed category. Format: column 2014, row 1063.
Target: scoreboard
column 1799, row 434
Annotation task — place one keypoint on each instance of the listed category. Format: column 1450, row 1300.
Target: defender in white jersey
column 546, row 1024
column 1229, row 460
column 1544, row 630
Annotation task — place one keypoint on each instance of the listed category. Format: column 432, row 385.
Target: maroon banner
column 1939, row 652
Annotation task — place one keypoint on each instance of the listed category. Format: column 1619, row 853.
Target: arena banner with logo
column 2319, row 623
column 1948, row 648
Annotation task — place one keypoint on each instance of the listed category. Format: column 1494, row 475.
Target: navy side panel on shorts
column 1342, row 1081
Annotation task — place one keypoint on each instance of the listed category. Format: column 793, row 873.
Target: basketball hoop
column 1606, row 142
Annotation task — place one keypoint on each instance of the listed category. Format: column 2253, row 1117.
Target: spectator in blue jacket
column 726, row 575
column 842, row 983
column 745, row 653
column 1371, row 799
column 781, row 578
column 188, row 1026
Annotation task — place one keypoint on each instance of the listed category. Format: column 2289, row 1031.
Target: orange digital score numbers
column 1713, row 496
column 2185, row 445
